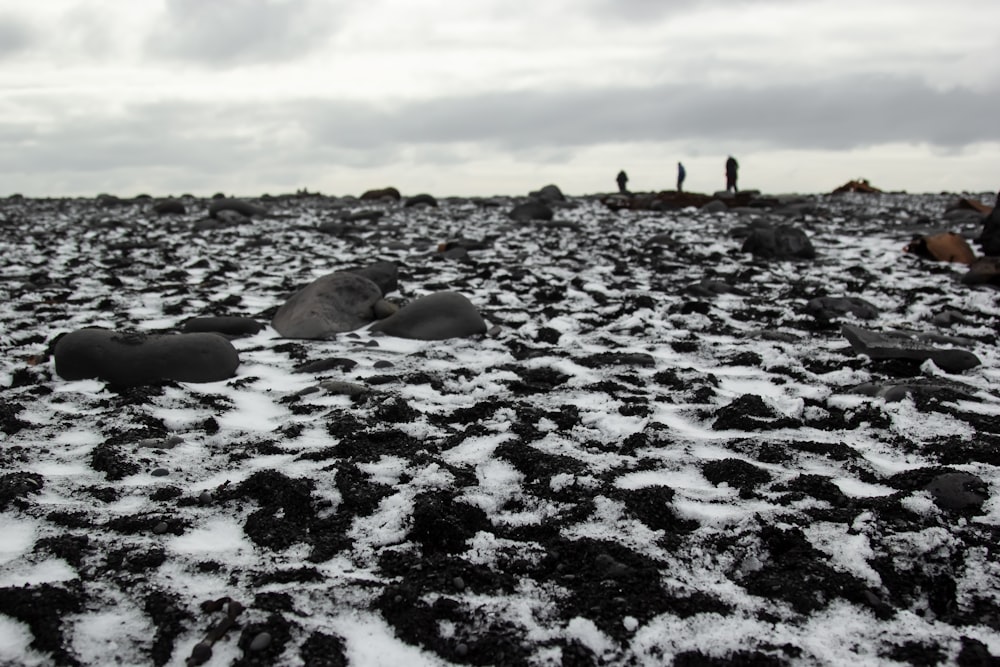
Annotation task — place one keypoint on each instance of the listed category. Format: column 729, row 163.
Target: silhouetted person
column 731, row 168
column 622, row 179
column 681, row 175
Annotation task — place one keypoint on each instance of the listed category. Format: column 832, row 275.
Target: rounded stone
column 131, row 359
column 434, row 317
column 160, row 472
column 261, row 641
column 332, row 304
column 958, row 491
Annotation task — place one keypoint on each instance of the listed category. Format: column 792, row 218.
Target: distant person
column 622, row 179
column 681, row 175
column 732, row 166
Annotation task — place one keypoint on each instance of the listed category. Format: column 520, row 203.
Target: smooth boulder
column 944, row 247
column 781, row 243
column 334, row 303
column 236, row 206
column 434, row 317
column 131, row 358
column 880, row 346
column 531, row 210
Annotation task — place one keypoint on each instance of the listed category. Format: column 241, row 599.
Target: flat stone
column 879, row 346
column 958, row 491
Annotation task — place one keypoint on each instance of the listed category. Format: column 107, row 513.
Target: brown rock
column 383, row 193
column 944, row 247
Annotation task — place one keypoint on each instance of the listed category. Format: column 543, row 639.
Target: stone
column 983, row 271
column 421, row 200
column 943, row 247
column 958, row 491
column 436, row 316
column 169, row 207
column 334, row 303
column 860, row 185
column 715, row 206
column 783, row 242
column 531, row 210
column 231, row 325
column 236, row 205
column 131, row 359
column 389, row 193
column 549, row 193
column 879, row 346
column 831, row 307
column 989, row 238
column 383, row 274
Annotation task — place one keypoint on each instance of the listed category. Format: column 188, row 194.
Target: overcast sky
column 481, row 97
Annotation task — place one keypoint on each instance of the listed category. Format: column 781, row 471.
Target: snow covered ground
column 628, row 469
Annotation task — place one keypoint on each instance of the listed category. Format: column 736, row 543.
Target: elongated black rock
column 131, row 359
column 879, row 346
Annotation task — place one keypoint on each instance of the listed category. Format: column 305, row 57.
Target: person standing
column 681, row 175
column 622, row 179
column 731, row 168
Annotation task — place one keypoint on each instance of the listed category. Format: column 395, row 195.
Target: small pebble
column 160, row 472
column 261, row 641
column 461, row 650
column 205, row 498
column 458, row 583
column 160, row 528
column 630, row 623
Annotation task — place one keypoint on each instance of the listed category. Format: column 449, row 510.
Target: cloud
column 242, row 32
column 15, row 36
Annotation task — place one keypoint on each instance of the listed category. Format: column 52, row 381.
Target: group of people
column 732, row 167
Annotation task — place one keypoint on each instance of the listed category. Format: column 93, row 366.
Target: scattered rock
column 832, row 307
column 531, row 210
column 421, row 200
column 169, row 207
column 390, row 193
column 130, row 359
column 549, row 193
column 943, row 247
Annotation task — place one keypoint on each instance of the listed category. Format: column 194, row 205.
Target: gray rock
column 383, row 274
column 531, row 210
column 131, row 359
column 989, row 238
column 332, row 304
column 783, row 242
column 714, row 206
column 550, row 193
column 434, row 317
column 879, row 346
column 421, row 200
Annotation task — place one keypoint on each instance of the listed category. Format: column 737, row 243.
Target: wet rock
column 434, row 317
column 882, row 346
column 783, row 242
column 989, row 238
column 229, row 325
column 131, row 359
column 329, row 305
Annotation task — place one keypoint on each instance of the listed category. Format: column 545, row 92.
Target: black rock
column 531, row 210
column 331, row 304
column 783, row 242
column 169, row 207
column 879, row 346
column 989, row 238
column 228, row 325
column 831, row 307
column 434, row 317
column 421, row 199
column 130, row 359
column 958, row 491
column 236, row 205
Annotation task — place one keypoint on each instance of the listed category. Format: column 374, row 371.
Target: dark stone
column 958, row 491
column 831, row 307
column 783, row 242
column 14, row 486
column 736, row 473
column 989, row 238
column 749, row 412
column 130, row 359
column 332, row 304
column 434, row 317
column 382, row 193
column 549, row 193
column 235, row 205
column 531, row 210
column 421, row 199
column 228, row 325
column 889, row 346
column 383, row 274
column 169, row 207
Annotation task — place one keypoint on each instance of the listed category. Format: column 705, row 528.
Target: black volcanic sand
column 657, row 454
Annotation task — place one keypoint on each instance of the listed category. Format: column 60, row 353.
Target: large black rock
column 131, row 359
column 781, row 242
